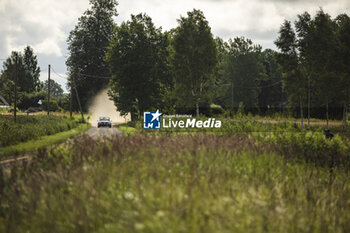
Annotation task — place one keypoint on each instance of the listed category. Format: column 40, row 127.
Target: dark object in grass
column 33, row 109
column 328, row 134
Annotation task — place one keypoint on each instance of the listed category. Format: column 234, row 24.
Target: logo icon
column 151, row 120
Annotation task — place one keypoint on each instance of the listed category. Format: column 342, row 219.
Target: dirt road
column 103, row 132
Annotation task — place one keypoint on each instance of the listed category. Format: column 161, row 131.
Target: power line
column 86, row 75
column 58, row 73
column 270, row 85
column 95, row 76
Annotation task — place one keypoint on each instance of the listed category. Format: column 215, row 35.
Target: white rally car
column 104, row 122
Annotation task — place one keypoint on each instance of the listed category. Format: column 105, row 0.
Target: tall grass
column 183, row 183
column 32, row 127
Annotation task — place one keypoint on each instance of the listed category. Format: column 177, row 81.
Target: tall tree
column 87, row 45
column 30, row 63
column 343, row 89
column 194, row 60
column 303, row 44
column 26, row 68
column 55, row 88
column 271, row 95
column 323, row 57
column 294, row 81
column 220, row 82
column 137, row 58
column 242, row 73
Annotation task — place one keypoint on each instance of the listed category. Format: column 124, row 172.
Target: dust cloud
column 101, row 105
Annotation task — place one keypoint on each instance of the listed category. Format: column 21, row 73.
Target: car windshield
column 104, row 118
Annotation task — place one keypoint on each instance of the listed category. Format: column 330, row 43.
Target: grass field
column 278, row 181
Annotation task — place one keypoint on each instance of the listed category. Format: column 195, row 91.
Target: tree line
column 183, row 70
column 188, row 70
column 315, row 60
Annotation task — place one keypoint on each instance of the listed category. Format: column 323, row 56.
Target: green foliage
column 27, row 100
column 64, row 102
column 53, row 106
column 216, row 109
column 271, row 94
column 310, row 146
column 55, row 88
column 87, row 45
column 343, row 35
column 323, row 55
column 42, row 142
column 187, row 183
column 31, row 127
column 194, row 60
column 314, row 60
column 294, row 80
column 137, row 57
column 21, row 70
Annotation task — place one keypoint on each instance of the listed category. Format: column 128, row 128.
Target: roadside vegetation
column 42, row 142
column 179, row 183
column 32, row 127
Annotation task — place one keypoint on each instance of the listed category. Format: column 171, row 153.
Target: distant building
column 3, row 103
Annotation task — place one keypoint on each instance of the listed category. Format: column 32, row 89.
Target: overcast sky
column 45, row 24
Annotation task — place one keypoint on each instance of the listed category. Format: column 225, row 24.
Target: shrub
column 216, row 109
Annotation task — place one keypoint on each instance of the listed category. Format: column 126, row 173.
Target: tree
column 30, row 63
column 343, row 36
column 271, row 94
column 194, row 60
column 26, row 68
column 303, row 44
column 294, row 81
column 220, row 82
column 137, row 58
column 87, row 45
column 324, row 49
column 242, row 73
column 55, row 88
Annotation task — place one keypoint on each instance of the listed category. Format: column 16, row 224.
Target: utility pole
column 232, row 96
column 70, row 102
column 76, row 92
column 48, row 92
column 16, row 79
column 308, row 102
column 81, row 111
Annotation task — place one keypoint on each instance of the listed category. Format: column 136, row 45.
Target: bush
column 53, row 105
column 310, row 146
column 28, row 100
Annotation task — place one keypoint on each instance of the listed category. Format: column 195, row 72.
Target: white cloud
column 41, row 24
column 48, row 47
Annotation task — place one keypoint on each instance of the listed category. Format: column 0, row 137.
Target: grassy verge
column 127, row 129
column 32, row 127
column 42, row 142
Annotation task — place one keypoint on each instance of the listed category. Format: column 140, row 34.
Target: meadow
column 248, row 177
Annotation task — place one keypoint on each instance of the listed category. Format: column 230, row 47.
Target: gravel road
column 96, row 133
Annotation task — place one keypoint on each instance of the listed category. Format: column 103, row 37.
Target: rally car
column 104, row 122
